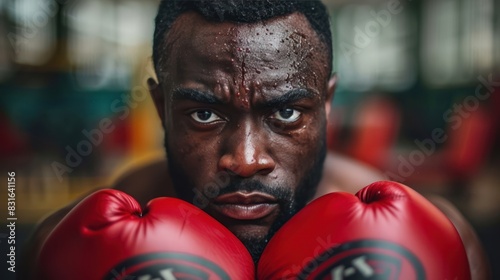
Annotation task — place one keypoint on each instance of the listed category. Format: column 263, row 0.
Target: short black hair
column 244, row 11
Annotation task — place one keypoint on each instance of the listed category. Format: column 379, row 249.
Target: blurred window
column 106, row 40
column 457, row 40
column 33, row 37
column 374, row 46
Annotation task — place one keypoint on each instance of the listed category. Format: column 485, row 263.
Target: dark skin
column 253, row 105
column 244, row 138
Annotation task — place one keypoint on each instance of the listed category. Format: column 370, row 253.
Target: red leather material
column 385, row 231
column 109, row 236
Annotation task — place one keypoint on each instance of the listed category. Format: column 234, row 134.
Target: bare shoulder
column 34, row 243
column 341, row 173
column 142, row 182
column 479, row 264
column 145, row 182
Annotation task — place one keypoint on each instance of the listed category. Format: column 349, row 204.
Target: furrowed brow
column 289, row 97
column 195, row 95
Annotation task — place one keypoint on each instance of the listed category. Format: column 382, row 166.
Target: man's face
column 244, row 110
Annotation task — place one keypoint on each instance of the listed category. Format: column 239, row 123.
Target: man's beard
column 290, row 202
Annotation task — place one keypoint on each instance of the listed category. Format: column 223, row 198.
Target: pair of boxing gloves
column 385, row 231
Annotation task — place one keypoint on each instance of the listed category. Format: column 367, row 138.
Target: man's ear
column 330, row 91
column 158, row 99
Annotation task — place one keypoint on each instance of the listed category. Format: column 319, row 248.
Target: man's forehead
column 283, row 49
column 191, row 30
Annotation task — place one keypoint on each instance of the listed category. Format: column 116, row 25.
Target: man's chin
column 253, row 232
column 254, row 237
column 255, row 247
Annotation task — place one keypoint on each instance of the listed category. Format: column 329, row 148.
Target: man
column 243, row 92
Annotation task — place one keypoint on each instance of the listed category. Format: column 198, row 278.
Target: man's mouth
column 245, row 206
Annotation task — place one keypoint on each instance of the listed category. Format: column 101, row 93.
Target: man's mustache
column 237, row 185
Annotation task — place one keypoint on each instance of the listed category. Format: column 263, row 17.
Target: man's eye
column 287, row 115
column 205, row 116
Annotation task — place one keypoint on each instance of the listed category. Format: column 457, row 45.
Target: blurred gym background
column 418, row 98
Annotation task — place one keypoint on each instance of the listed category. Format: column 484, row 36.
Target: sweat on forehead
column 286, row 42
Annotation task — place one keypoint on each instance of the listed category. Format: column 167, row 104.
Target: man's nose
column 246, row 153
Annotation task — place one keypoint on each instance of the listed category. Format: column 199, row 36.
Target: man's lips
column 245, row 206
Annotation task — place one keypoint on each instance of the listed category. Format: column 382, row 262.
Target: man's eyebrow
column 195, row 95
column 289, row 97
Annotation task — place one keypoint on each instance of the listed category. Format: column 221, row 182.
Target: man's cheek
column 292, row 166
column 199, row 161
column 182, row 141
column 208, row 185
column 201, row 185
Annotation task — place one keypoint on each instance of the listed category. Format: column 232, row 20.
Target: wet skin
column 244, row 108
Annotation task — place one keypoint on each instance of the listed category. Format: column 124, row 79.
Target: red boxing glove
column 108, row 236
column 385, row 231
